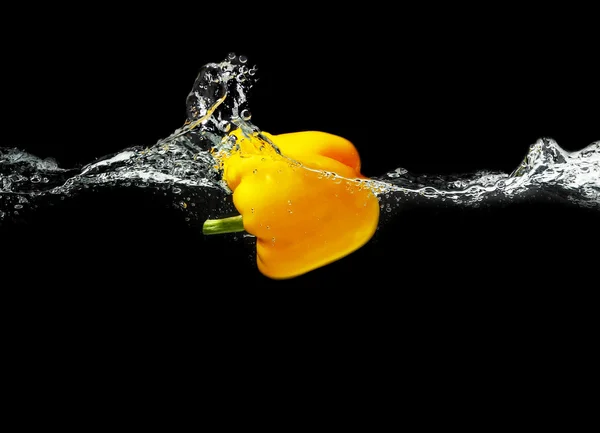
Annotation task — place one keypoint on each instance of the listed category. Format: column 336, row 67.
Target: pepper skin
column 305, row 215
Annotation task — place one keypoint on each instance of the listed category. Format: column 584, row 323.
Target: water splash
column 181, row 168
column 547, row 168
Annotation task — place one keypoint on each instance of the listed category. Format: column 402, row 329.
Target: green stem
column 223, row 225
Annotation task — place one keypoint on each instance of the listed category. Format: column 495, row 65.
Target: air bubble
column 231, row 56
column 245, row 114
column 243, row 59
column 225, row 126
column 18, row 206
column 35, row 178
column 177, row 190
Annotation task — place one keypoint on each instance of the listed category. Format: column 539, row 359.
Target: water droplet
column 245, row 114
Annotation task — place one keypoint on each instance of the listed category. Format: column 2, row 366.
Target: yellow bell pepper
column 307, row 205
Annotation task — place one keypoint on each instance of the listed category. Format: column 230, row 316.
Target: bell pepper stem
column 223, row 225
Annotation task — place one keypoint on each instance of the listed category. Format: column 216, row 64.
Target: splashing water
column 181, row 167
column 574, row 176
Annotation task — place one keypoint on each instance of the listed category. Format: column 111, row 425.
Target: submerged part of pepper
column 303, row 199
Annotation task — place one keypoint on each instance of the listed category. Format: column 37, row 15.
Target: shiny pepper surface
column 307, row 206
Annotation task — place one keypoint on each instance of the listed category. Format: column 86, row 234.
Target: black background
column 444, row 91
